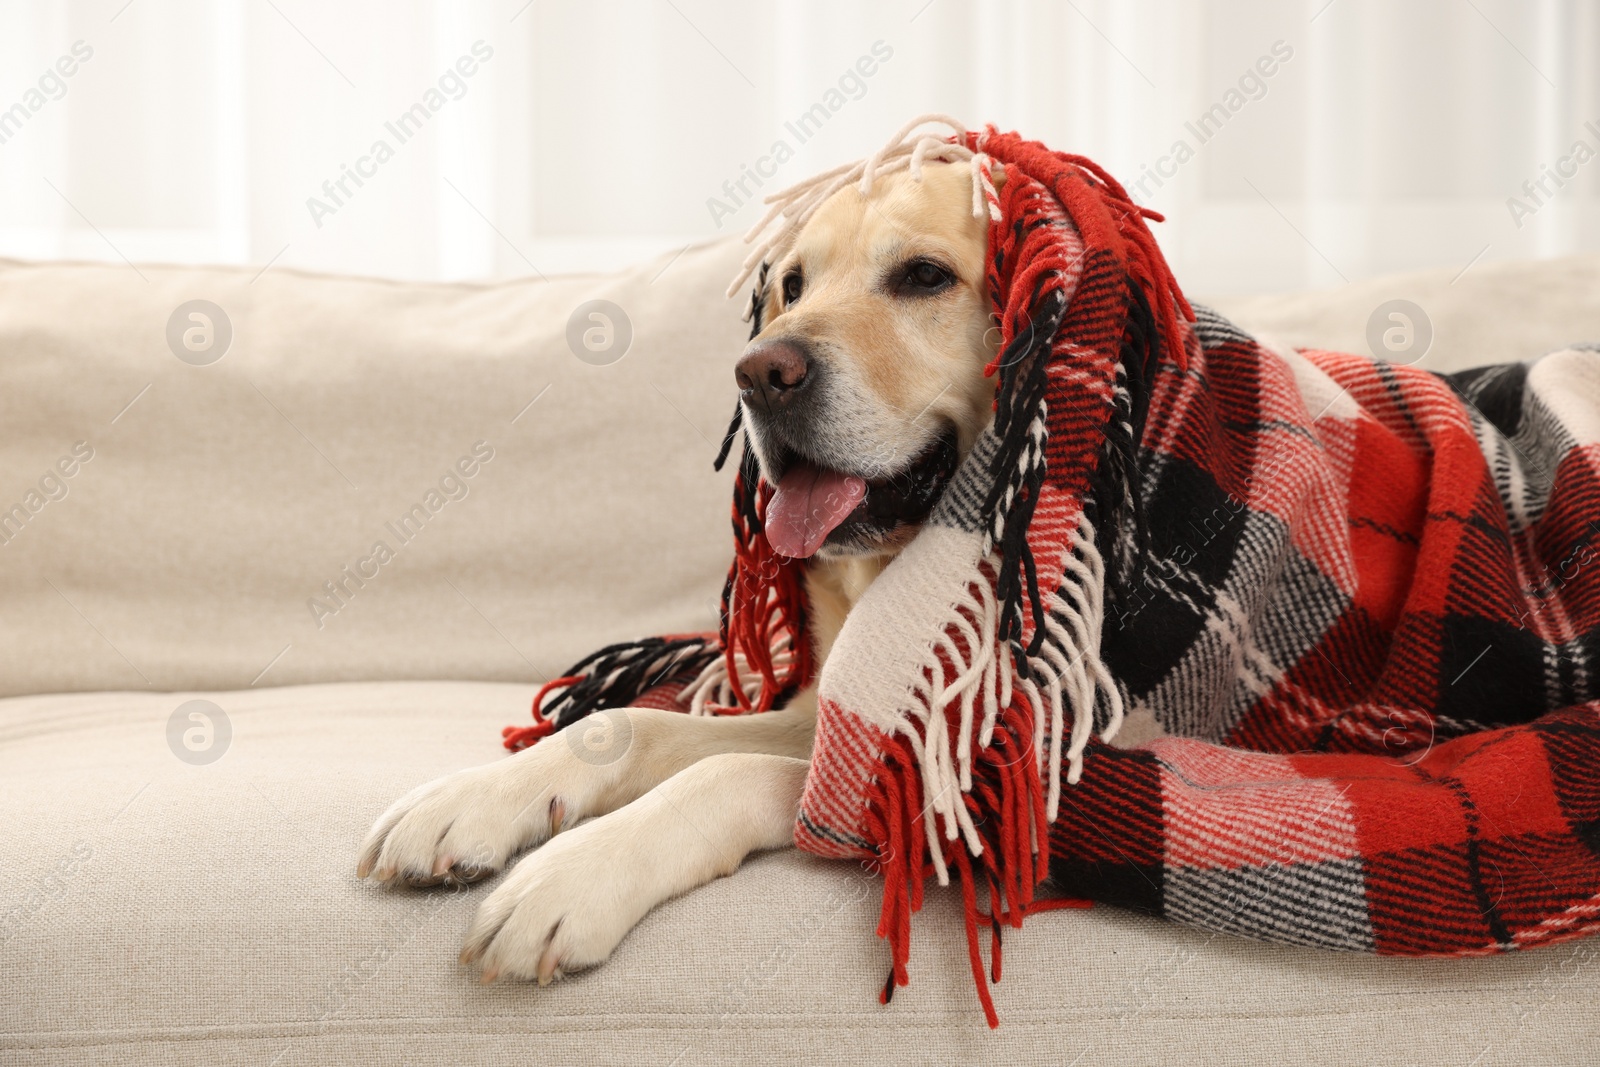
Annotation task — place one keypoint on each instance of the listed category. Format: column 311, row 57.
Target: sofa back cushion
column 343, row 478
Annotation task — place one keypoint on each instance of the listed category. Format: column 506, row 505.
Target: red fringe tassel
column 518, row 738
column 764, row 605
column 1007, row 806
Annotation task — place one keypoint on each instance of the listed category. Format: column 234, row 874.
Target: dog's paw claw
column 461, row 828
column 564, row 908
column 550, row 962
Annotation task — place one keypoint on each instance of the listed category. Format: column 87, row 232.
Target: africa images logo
column 851, row 85
column 1252, row 85
column 51, row 85
column 455, row 484
column 452, row 85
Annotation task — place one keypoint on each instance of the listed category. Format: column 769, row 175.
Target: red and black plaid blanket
column 1345, row 615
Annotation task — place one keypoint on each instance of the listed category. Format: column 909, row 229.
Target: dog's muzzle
column 818, row 499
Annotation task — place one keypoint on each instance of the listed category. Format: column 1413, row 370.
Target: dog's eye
column 924, row 276
column 792, row 284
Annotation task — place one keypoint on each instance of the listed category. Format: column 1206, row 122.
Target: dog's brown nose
column 772, row 371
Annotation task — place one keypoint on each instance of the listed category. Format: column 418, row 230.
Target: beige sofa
column 182, row 890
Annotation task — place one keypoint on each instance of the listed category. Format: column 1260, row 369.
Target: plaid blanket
column 1348, row 611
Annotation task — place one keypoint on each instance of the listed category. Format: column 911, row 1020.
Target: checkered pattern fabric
column 1355, row 605
column 1370, row 616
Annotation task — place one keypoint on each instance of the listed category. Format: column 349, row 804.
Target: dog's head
column 865, row 387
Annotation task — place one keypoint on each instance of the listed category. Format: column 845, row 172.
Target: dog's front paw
column 468, row 825
column 566, row 906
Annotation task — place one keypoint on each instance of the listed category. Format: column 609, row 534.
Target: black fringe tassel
column 616, row 675
column 1112, row 503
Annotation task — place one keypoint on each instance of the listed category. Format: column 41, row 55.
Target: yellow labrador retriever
column 861, row 394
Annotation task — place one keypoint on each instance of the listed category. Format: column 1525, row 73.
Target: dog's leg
column 469, row 824
column 569, row 904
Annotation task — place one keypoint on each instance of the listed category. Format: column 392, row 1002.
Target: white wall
column 1391, row 138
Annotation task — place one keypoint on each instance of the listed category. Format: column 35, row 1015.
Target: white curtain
column 1290, row 143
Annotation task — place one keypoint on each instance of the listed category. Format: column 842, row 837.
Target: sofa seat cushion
column 164, row 910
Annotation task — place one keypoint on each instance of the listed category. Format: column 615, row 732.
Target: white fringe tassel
column 1067, row 680
column 712, row 688
column 793, row 207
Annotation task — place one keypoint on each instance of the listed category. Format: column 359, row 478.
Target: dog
column 861, row 393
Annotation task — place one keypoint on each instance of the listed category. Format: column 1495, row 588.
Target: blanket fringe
column 1006, row 807
column 764, row 641
column 793, row 207
column 979, row 750
column 716, row 691
column 970, row 672
column 613, row 677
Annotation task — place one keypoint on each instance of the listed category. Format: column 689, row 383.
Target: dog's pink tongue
column 808, row 504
